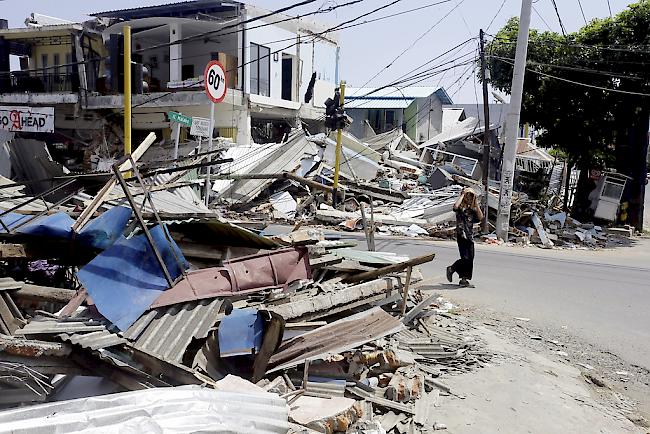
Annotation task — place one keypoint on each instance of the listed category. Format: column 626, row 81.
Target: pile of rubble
column 384, row 185
column 389, row 185
column 550, row 228
column 194, row 321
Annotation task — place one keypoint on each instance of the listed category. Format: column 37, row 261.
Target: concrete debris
column 166, row 271
column 307, row 330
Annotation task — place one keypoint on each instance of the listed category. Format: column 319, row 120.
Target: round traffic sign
column 214, row 79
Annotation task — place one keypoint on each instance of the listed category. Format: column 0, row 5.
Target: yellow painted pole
column 127, row 91
column 339, row 138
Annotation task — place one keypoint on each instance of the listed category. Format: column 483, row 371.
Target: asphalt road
column 602, row 297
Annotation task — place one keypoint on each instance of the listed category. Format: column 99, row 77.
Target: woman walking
column 467, row 213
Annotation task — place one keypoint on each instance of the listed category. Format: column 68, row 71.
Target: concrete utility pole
column 512, row 123
column 487, row 135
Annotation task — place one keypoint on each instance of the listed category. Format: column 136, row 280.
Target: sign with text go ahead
column 179, row 118
column 214, row 79
column 27, row 119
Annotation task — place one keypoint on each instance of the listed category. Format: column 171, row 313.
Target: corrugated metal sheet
column 457, row 131
column 7, row 194
column 93, row 340
column 43, row 326
column 286, row 157
column 171, row 410
column 334, row 338
column 166, row 332
column 242, row 275
column 391, row 92
column 378, row 103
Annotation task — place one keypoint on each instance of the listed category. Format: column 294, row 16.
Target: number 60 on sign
column 214, row 79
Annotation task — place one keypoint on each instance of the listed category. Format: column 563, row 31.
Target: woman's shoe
column 450, row 274
column 464, row 282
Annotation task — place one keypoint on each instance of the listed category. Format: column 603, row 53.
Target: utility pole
column 512, row 123
column 487, row 136
column 127, row 91
column 339, row 138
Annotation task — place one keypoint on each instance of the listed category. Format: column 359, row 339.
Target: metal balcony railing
column 45, row 82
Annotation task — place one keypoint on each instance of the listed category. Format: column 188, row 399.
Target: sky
column 367, row 50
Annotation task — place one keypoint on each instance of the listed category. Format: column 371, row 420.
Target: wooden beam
column 395, row 268
column 101, row 196
column 43, row 294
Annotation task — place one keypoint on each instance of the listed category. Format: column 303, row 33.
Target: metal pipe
column 127, row 91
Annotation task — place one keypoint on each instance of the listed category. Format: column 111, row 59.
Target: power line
column 626, row 92
column 314, row 36
column 374, row 19
column 610, row 8
column 202, row 35
column 231, row 26
column 572, row 68
column 503, row 3
column 542, row 18
column 410, row 80
column 339, row 28
column 582, row 12
column 557, row 12
column 622, row 48
column 218, row 32
column 413, row 43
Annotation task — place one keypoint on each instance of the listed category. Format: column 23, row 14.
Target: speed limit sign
column 215, row 81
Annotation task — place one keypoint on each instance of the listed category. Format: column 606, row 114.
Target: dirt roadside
column 545, row 381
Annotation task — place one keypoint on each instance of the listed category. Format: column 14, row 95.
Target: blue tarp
column 100, row 233
column 12, row 219
column 241, row 333
column 105, row 229
column 126, row 278
column 57, row 225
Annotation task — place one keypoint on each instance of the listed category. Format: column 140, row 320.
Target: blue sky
column 368, row 49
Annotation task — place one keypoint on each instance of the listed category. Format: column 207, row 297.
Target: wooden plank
column 395, row 268
column 325, row 260
column 101, row 196
column 409, row 270
column 44, row 294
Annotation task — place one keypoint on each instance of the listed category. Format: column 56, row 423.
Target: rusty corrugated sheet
column 244, row 275
column 166, row 332
column 339, row 336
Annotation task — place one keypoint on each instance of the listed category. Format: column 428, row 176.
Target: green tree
column 595, row 127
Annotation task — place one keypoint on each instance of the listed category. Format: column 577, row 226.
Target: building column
column 243, row 119
column 175, row 53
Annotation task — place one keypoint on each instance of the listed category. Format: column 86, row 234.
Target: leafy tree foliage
column 595, row 127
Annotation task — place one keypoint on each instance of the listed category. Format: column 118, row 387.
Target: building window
column 260, row 70
column 187, row 71
column 390, row 119
column 44, row 62
column 68, row 66
column 56, row 59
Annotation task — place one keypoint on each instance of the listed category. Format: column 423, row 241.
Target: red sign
column 214, row 80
